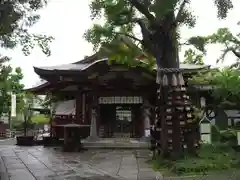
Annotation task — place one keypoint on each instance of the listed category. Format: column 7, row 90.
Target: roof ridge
column 90, row 59
column 100, row 53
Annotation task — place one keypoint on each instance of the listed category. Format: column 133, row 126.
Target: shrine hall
column 115, row 100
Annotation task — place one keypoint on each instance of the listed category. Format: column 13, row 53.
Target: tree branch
column 146, row 42
column 141, row 8
column 235, row 53
column 145, row 31
column 129, row 35
column 233, row 50
column 235, row 40
column 185, row 44
column 180, row 11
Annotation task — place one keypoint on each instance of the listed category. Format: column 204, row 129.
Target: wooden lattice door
column 107, row 119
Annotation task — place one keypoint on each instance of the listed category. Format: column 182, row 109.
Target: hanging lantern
column 205, row 130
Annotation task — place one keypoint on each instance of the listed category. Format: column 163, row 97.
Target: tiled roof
column 83, row 66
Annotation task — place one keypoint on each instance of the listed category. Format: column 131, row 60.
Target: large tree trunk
column 174, row 119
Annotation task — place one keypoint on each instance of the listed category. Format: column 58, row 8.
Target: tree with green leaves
column 10, row 82
column 223, row 84
column 192, row 57
column 159, row 22
column 15, row 20
column 227, row 86
column 230, row 42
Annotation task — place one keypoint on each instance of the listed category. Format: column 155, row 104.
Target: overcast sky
column 67, row 20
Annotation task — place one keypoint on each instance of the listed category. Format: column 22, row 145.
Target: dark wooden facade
column 119, row 95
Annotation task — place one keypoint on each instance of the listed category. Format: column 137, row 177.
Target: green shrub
column 229, row 136
column 215, row 133
column 210, row 158
column 40, row 119
column 17, row 124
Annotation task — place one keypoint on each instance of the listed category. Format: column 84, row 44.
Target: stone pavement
column 39, row 163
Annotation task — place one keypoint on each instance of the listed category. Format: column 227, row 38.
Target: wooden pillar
column 66, row 136
column 78, row 115
column 83, row 108
column 146, row 119
column 88, row 108
column 94, row 117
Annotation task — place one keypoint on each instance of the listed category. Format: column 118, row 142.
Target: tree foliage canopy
column 158, row 20
column 192, row 57
column 230, row 42
column 225, row 85
column 10, row 81
column 16, row 18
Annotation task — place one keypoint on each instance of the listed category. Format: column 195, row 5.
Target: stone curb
column 113, row 147
column 159, row 176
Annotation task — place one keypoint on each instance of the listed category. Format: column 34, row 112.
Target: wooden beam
column 78, row 108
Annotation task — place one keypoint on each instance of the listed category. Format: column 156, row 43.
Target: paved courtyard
column 39, row 163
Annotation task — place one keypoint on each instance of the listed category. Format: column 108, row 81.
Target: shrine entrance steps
column 116, row 143
column 122, row 135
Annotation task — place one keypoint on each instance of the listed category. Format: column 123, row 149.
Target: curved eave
column 39, row 88
column 190, row 71
column 201, row 87
column 40, row 71
column 67, row 69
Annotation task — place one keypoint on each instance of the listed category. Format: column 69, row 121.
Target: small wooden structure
column 72, row 137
